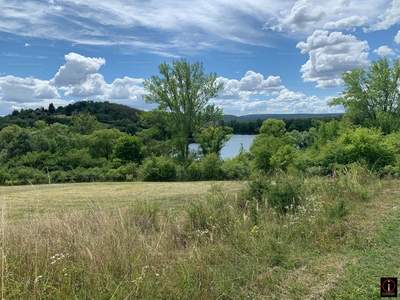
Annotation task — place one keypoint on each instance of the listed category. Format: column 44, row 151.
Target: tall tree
column 371, row 97
column 184, row 91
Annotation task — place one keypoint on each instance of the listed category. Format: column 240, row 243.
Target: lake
column 232, row 147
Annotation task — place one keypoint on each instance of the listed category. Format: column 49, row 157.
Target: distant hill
column 114, row 115
column 125, row 118
column 252, row 118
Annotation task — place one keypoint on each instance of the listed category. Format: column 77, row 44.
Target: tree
column 85, row 123
column 213, row 138
column 128, row 149
column 184, row 91
column 52, row 108
column 102, row 142
column 273, row 148
column 371, row 98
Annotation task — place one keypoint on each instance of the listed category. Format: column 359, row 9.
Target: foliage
column 360, row 145
column 128, row 149
column 237, row 168
column 102, row 142
column 184, row 92
column 371, row 98
column 273, row 149
column 85, row 123
column 158, row 169
column 21, row 144
column 210, row 166
column 213, row 138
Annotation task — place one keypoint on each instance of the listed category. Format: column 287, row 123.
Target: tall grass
column 217, row 247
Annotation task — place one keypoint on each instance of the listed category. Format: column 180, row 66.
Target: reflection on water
column 232, row 147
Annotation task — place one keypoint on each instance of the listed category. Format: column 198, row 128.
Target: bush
column 285, row 193
column 158, row 169
column 210, row 166
column 26, row 175
column 281, row 192
column 361, row 145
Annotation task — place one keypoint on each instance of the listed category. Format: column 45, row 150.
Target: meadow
column 333, row 239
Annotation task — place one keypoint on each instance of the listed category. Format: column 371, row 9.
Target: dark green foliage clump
column 158, row 169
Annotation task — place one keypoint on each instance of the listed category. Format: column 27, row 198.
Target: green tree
column 52, row 108
column 128, row 149
column 156, row 135
column 184, row 92
column 20, row 145
column 371, row 97
column 213, row 138
column 273, row 148
column 85, row 123
column 102, row 142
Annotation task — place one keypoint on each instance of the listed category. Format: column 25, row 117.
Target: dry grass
column 146, row 240
column 27, row 201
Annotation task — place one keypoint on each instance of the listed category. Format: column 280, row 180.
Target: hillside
column 119, row 116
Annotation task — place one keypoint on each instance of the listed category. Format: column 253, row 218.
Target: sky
column 273, row 56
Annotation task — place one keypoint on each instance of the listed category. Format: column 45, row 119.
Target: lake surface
column 232, row 147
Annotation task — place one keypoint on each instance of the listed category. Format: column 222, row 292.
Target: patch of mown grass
column 379, row 254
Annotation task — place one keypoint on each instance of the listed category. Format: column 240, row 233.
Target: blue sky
column 275, row 56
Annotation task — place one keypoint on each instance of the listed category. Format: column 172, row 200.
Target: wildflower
column 254, row 230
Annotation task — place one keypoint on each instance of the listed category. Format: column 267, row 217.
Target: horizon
column 281, row 58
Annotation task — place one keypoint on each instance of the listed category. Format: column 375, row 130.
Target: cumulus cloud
column 384, row 51
column 26, row 89
column 397, row 38
column 303, row 14
column 283, row 101
column 77, row 69
column 389, row 18
column 126, row 88
column 255, row 82
column 94, row 84
column 331, row 54
column 353, row 21
column 251, row 83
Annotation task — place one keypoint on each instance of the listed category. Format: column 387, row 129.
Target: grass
column 200, row 240
column 26, row 201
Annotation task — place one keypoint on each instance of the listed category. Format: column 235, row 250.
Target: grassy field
column 21, row 202
column 199, row 240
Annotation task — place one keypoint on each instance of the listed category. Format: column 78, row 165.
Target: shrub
column 158, row 169
column 281, row 192
column 285, row 193
column 361, row 145
column 210, row 166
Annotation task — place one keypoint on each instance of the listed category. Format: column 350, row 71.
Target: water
column 232, row 147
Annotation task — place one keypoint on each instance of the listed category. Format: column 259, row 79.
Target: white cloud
column 389, row 18
column 77, row 69
column 255, row 82
column 353, row 21
column 384, row 51
column 27, row 45
column 126, row 88
column 303, row 14
column 236, row 99
column 397, row 38
column 26, row 89
column 330, row 55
